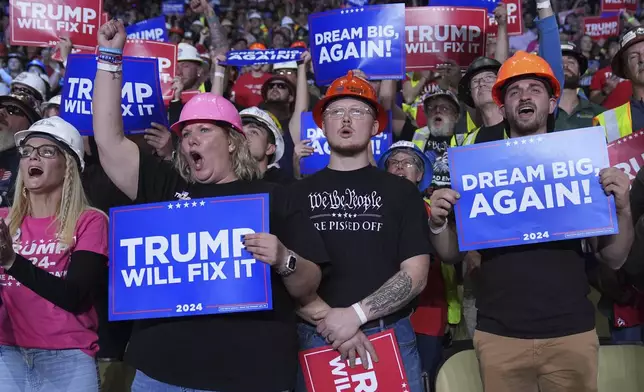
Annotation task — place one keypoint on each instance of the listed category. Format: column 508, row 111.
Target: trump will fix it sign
column 325, row 371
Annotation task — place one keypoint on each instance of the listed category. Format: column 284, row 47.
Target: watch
column 289, row 266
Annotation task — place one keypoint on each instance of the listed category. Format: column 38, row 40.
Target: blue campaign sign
column 490, row 5
column 142, row 99
column 370, row 38
column 320, row 158
column 173, row 7
column 242, row 58
column 151, row 30
column 532, row 189
column 186, row 258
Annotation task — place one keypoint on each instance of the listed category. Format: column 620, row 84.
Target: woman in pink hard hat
column 235, row 352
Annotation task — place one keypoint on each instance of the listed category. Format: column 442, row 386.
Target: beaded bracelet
column 110, row 50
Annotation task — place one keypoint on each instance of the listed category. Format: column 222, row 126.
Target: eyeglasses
column 280, row 86
column 45, row 151
column 356, row 113
column 486, row 79
column 405, row 163
column 284, row 72
column 13, row 110
column 22, row 90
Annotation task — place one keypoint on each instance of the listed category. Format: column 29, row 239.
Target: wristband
column 110, row 58
column 541, row 5
column 220, row 74
column 109, row 67
column 110, row 50
column 360, row 313
column 440, row 229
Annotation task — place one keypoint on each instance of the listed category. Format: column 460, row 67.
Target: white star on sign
column 524, row 141
column 619, row 142
column 202, row 203
column 531, row 140
column 186, row 204
column 404, row 385
column 194, row 203
column 508, row 144
column 635, row 135
column 18, row 284
column 539, row 139
column 170, row 206
column 516, row 143
column 630, row 137
column 178, row 205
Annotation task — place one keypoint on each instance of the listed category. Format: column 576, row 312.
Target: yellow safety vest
column 616, row 122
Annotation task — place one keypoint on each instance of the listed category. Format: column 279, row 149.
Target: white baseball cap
column 56, row 100
column 188, row 52
column 59, row 130
column 32, row 80
column 287, row 21
column 254, row 15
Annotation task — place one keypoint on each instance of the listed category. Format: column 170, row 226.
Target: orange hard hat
column 524, row 64
column 351, row 86
column 299, row 44
column 257, row 46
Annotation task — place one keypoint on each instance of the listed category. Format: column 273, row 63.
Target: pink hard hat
column 208, row 107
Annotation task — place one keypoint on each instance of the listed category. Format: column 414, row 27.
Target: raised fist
column 112, row 35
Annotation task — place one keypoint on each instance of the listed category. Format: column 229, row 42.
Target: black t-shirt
column 253, row 351
column 277, row 176
column 436, row 150
column 535, row 291
column 371, row 221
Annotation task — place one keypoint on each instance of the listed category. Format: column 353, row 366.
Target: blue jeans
column 36, row 370
column 309, row 338
column 430, row 349
column 627, row 335
column 143, row 383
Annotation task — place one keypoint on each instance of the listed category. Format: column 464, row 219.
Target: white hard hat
column 32, row 80
column 287, row 21
column 254, row 15
column 265, row 119
column 285, row 65
column 61, row 131
column 188, row 52
column 54, row 100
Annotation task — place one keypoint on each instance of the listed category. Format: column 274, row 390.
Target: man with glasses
column 366, row 289
column 442, row 111
column 17, row 113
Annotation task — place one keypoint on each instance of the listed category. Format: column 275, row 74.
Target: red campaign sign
column 515, row 19
column 627, row 153
column 42, row 22
column 325, row 371
column 166, row 54
column 601, row 28
column 436, row 34
column 618, row 5
column 105, row 18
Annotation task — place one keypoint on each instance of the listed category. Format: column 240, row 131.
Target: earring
column 24, row 192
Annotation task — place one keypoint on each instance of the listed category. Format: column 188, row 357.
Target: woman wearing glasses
column 53, row 249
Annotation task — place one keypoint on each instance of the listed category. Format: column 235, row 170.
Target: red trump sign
column 436, row 34
column 601, row 28
column 325, row 371
column 618, row 5
column 42, row 22
column 627, row 153
column 164, row 52
column 515, row 19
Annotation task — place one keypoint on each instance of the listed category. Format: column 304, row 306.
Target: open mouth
column 526, row 111
column 35, row 171
column 437, row 121
column 198, row 160
column 346, row 132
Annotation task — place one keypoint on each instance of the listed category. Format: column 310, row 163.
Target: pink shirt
column 30, row 321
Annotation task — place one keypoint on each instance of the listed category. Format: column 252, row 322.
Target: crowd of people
column 362, row 246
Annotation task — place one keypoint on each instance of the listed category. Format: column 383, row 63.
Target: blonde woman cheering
column 52, row 253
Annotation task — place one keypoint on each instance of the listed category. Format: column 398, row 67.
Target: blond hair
column 73, row 203
column 245, row 166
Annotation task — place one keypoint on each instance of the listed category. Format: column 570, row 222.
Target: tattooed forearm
column 393, row 295
column 217, row 33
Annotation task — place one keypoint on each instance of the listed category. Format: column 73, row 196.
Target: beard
column 571, row 82
column 530, row 126
column 444, row 130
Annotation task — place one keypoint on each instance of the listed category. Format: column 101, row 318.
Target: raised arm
column 118, row 155
column 301, row 97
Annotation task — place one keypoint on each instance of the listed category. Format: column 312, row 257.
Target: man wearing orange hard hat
column 368, row 288
column 536, row 326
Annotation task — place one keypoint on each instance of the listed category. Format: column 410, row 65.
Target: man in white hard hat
column 265, row 142
column 189, row 67
column 51, row 108
column 30, row 83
